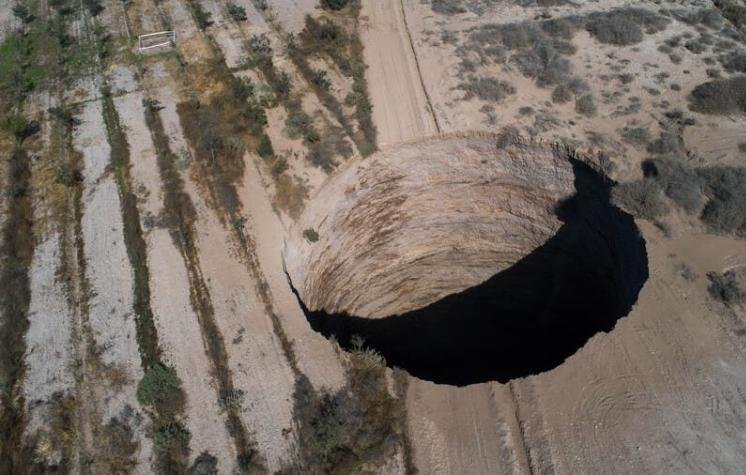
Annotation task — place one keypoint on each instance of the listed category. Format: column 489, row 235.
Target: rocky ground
column 151, row 205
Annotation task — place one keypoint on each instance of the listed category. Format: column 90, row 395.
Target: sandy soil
column 111, row 318
column 316, row 357
column 291, row 13
column 401, row 109
column 177, row 324
column 8, row 21
column 49, row 349
column 255, row 355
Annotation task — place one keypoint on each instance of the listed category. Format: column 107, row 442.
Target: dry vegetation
column 317, row 77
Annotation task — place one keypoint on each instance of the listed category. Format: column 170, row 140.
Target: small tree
column 237, row 12
column 335, row 4
column 22, row 13
column 265, row 149
column 311, row 235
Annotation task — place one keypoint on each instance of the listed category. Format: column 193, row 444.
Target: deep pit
column 463, row 262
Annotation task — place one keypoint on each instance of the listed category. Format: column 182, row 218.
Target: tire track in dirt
column 419, row 69
column 401, row 107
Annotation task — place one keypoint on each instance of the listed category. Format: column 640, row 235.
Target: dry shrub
column 720, row 96
column 624, row 26
column 357, row 426
column 585, row 105
column 289, row 195
column 725, row 289
column 680, row 183
column 487, row 89
column 641, row 198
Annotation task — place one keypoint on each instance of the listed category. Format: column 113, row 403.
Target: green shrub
column 734, row 12
column 172, row 438
column 319, row 78
column 298, row 124
column 159, row 384
column 204, row 464
column 335, row 4
column 67, row 176
column 265, row 149
column 354, row 427
column 543, row 63
column 311, row 235
column 22, row 12
column 236, row 12
column 615, row 30
column 201, row 17
column 93, row 6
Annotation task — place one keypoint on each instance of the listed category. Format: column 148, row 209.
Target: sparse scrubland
column 146, row 201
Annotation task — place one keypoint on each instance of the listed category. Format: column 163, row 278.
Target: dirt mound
column 503, row 261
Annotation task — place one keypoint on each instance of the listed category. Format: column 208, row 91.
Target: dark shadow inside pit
column 528, row 318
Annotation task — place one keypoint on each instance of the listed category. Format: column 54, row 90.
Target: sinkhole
column 462, row 260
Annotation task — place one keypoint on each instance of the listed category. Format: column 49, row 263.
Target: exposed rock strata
column 423, row 220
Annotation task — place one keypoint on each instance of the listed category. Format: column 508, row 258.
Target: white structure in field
column 156, row 40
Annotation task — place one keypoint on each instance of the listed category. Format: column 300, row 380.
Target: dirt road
column 401, row 111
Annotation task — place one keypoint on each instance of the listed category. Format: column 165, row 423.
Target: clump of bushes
column 680, row 183
column 22, row 12
column 735, row 61
column 636, row 135
column 204, row 464
column 642, row 198
column 720, row 96
column 236, row 12
column 667, row 143
column 585, row 105
column 725, row 289
column 356, row 426
column 335, row 4
column 265, row 148
column 447, row 7
column 726, row 189
column 159, row 384
column 299, row 124
column 311, row 235
column 721, row 189
column 487, row 89
column 734, row 12
column 624, row 26
column 319, row 78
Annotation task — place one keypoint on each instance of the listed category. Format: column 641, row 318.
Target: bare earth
column 663, row 392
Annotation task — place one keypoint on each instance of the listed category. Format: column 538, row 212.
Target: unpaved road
column 401, row 111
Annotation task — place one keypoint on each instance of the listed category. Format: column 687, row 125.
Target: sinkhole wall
column 462, row 261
